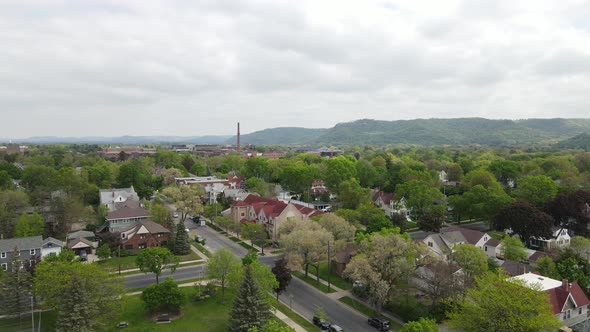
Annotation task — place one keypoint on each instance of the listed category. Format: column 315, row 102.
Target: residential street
column 304, row 298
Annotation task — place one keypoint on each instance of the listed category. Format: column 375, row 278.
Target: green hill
column 581, row 141
column 461, row 131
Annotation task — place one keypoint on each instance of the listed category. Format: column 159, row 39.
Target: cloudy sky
column 112, row 67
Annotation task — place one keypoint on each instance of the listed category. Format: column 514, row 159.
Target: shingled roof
column 127, row 212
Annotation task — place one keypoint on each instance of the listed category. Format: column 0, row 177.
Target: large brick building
column 144, row 234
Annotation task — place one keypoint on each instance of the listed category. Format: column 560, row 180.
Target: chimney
column 565, row 285
column 238, row 137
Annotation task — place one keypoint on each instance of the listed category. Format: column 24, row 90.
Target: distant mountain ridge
column 581, row 141
column 460, row 131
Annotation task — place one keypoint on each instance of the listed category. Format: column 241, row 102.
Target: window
column 580, row 311
column 486, row 248
column 242, row 214
column 568, row 314
column 142, row 236
column 2, row 255
column 429, row 244
column 4, row 266
column 122, row 235
column 32, row 252
column 160, row 234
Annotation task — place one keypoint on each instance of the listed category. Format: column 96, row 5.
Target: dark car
column 380, row 323
column 83, row 255
column 321, row 323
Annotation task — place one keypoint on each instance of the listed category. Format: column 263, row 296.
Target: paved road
column 478, row 226
column 182, row 273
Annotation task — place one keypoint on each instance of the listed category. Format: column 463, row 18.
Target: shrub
column 163, row 296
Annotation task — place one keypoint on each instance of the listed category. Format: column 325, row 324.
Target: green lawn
column 335, row 279
column 365, row 310
column 208, row 315
column 24, row 323
column 312, row 281
column 127, row 263
column 202, row 249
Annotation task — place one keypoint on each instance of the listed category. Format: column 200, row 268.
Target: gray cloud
column 193, row 68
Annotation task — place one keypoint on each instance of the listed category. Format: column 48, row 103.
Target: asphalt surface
column 300, row 296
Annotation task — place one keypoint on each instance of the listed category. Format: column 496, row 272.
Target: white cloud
column 193, row 68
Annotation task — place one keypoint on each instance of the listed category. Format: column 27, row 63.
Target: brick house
column 144, row 234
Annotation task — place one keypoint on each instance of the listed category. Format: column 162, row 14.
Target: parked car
column 321, row 323
column 200, row 239
column 380, row 323
column 83, row 255
column 175, row 215
column 335, row 328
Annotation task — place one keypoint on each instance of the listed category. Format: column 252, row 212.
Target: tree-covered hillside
column 461, row 131
column 581, row 141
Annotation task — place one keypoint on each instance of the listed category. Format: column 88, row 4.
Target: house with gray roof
column 125, row 217
column 29, row 250
column 115, row 198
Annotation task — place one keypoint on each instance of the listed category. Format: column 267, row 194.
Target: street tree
column 160, row 214
column 536, row 189
column 155, row 260
column 186, row 198
column 251, row 307
column 305, row 242
column 496, row 304
column 221, row 265
column 384, row 263
column 282, row 275
column 525, row 220
column 255, row 233
column 341, row 229
column 29, row 225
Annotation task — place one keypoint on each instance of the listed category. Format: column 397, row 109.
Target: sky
column 193, row 68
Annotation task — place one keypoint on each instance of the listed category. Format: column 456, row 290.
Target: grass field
column 335, row 279
column 127, row 263
column 312, row 281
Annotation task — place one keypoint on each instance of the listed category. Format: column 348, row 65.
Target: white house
column 51, row 246
column 559, row 239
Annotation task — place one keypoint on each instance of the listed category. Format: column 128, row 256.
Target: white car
column 175, row 215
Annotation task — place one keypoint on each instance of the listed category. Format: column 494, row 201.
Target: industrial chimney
column 238, row 137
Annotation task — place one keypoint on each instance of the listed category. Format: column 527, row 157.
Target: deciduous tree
column 104, row 251
column 472, row 260
column 536, row 189
column 497, row 305
column 164, row 296
column 186, row 198
column 283, row 276
column 525, row 220
column 29, row 225
column 384, row 262
column 155, row 260
column 221, row 264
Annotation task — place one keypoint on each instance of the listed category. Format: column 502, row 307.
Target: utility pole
column 32, row 315
column 329, row 266
column 119, row 259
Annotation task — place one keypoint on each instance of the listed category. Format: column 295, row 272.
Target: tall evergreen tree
column 251, row 308
column 77, row 310
column 16, row 287
column 182, row 245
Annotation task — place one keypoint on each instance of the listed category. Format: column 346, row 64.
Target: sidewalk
column 198, row 252
column 277, row 313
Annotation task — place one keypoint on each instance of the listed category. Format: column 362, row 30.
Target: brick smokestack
column 238, row 136
column 565, row 285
